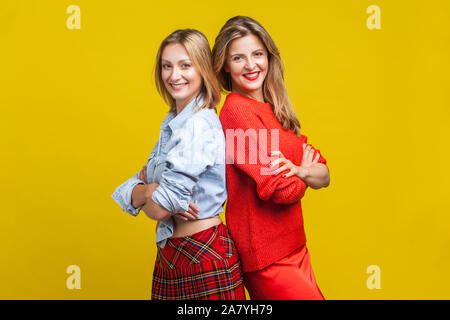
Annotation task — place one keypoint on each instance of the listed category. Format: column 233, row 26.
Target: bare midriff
column 184, row 228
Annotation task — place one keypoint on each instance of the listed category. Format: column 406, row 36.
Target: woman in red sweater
column 268, row 176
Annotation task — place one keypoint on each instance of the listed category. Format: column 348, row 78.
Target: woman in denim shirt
column 183, row 185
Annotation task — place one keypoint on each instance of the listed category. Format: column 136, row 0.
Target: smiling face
column 181, row 78
column 247, row 62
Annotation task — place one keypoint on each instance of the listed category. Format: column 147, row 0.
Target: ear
column 226, row 68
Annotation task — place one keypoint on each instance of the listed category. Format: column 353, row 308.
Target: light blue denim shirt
column 188, row 163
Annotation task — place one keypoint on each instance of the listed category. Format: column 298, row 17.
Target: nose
column 176, row 74
column 250, row 64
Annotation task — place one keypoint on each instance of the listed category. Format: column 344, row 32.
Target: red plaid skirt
column 202, row 266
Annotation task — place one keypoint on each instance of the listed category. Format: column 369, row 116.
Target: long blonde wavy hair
column 199, row 51
column 274, row 89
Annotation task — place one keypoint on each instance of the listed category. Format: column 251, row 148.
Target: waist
column 183, row 228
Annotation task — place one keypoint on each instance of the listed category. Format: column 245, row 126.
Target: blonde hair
column 198, row 49
column 274, row 89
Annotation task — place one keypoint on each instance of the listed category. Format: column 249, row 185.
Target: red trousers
column 290, row 278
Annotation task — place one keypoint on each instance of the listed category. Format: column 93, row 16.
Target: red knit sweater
column 263, row 212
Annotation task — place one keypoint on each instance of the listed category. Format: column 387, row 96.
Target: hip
column 213, row 246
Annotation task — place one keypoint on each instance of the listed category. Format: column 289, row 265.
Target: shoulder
column 303, row 138
column 235, row 102
column 205, row 118
column 202, row 126
column 237, row 109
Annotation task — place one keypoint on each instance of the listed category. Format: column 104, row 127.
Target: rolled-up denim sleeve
column 122, row 195
column 194, row 151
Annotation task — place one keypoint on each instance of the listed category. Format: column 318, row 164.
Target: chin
column 179, row 95
column 253, row 87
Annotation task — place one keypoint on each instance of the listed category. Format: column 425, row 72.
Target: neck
column 181, row 104
column 255, row 95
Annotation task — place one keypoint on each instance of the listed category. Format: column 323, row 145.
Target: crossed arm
column 315, row 175
column 142, row 196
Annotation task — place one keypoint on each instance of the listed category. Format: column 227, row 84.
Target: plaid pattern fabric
column 201, row 266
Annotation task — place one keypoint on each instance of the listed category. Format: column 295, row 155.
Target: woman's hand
column 149, row 189
column 287, row 165
column 300, row 171
column 143, row 174
column 308, row 154
column 191, row 214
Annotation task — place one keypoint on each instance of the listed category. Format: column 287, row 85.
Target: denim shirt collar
column 175, row 121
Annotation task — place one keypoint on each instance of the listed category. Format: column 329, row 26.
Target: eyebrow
column 188, row 60
column 241, row 54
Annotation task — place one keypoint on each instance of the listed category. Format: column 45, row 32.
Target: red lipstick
column 252, row 76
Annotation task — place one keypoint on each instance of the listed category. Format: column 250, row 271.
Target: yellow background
column 80, row 115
